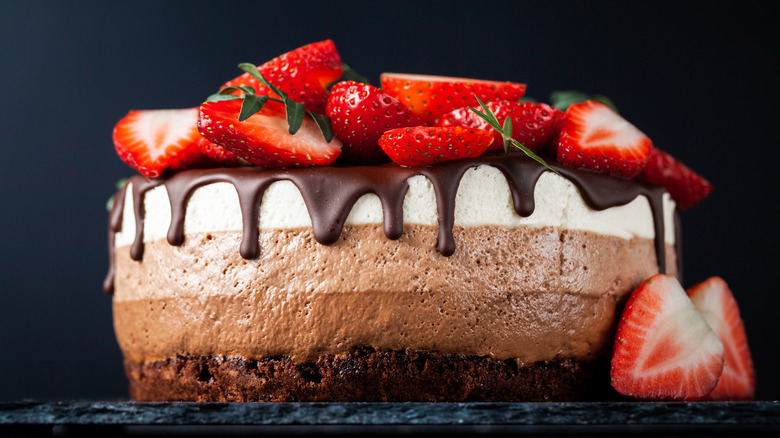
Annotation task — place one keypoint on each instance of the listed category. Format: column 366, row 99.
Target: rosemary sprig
column 506, row 133
column 252, row 103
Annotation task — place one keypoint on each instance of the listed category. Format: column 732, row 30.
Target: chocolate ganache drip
column 331, row 192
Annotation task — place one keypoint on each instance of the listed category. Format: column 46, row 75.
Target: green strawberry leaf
column 295, row 114
column 251, row 105
column 352, row 75
column 323, row 122
column 563, row 99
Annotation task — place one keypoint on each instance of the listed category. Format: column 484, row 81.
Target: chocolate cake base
column 363, row 374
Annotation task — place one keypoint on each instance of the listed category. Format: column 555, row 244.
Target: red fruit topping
column 360, row 114
column 684, row 185
column 535, row 125
column 432, row 96
column 422, row 145
column 263, row 139
column 156, row 141
column 716, row 303
column 664, row 349
column 302, row 73
column 216, row 155
column 592, row 136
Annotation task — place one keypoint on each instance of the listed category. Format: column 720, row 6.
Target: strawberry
column 156, row 141
column 684, row 185
column 216, row 155
column 719, row 308
column 263, row 139
column 432, row 96
column 422, row 145
column 664, row 348
column 302, row 73
column 594, row 137
column 535, row 125
column 360, row 114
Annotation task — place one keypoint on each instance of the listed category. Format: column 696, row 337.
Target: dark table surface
column 76, row 418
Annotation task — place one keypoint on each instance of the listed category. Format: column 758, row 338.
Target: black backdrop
column 699, row 80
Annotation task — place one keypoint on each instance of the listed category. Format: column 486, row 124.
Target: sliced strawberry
column 156, row 141
column 432, row 96
column 360, row 114
column 719, row 308
column 302, row 73
column 422, row 145
column 263, row 139
column 592, row 136
column 535, row 125
column 684, row 185
column 216, row 155
column 664, row 349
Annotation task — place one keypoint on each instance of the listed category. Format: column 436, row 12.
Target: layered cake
column 496, row 276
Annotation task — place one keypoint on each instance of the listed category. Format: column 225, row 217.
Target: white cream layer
column 483, row 199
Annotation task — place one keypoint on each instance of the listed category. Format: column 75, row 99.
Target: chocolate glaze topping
column 330, row 192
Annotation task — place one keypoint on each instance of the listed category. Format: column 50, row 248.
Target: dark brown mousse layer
column 330, row 193
column 363, row 374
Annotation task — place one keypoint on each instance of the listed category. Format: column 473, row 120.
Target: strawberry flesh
column 664, row 348
column 594, row 137
column 360, row 114
column 431, row 97
column 424, row 145
column 158, row 141
column 535, row 125
column 302, row 73
column 263, row 139
column 684, row 185
column 714, row 300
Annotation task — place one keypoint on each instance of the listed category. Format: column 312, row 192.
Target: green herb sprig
column 252, row 103
column 506, row 133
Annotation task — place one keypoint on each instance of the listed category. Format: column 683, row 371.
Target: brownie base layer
column 364, row 374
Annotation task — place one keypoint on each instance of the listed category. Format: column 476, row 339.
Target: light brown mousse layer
column 524, row 294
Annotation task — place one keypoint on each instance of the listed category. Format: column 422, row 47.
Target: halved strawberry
column 216, row 155
column 302, row 73
column 535, row 125
column 664, row 349
column 432, row 96
column 684, row 185
column 719, row 308
column 422, row 145
column 263, row 139
column 156, row 141
column 360, row 114
column 592, row 136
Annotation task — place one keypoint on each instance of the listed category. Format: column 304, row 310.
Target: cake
column 488, row 277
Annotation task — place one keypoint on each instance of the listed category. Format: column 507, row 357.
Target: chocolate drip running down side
column 330, row 193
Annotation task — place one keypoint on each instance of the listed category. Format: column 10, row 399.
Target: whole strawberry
column 535, row 125
column 360, row 114
column 216, row 155
column 594, row 137
column 302, row 73
column 684, row 185
column 424, row 145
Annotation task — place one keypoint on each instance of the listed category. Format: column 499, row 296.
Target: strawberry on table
column 664, row 349
column 302, row 73
column 423, row 145
column 714, row 300
column 360, row 114
column 264, row 139
column 684, row 185
column 432, row 96
column 535, row 125
column 156, row 141
column 592, row 136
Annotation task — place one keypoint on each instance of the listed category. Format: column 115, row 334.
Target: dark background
column 699, row 80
